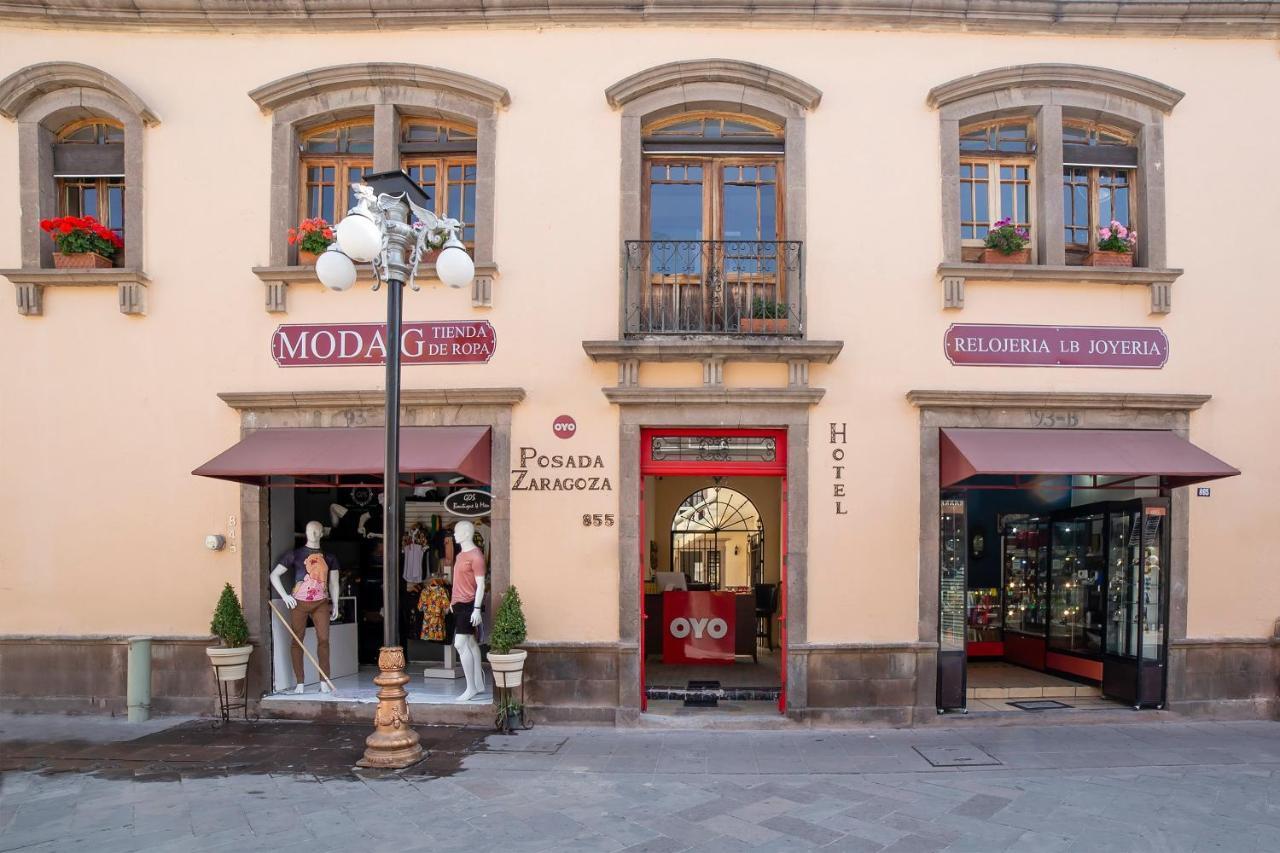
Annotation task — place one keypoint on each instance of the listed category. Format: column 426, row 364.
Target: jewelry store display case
column 1025, row 544
column 1134, row 662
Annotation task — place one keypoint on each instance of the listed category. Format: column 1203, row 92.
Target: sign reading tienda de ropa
column 1140, row 347
column 340, row 344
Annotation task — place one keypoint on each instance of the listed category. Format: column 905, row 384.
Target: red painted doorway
column 712, row 453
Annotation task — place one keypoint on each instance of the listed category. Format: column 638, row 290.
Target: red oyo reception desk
column 698, row 627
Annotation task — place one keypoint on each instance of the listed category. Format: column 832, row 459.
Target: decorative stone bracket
column 278, row 279
column 131, row 286
column 954, row 276
column 713, row 354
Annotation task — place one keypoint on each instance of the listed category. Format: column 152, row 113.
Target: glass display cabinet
column 1076, row 590
column 1137, row 563
column 1025, row 552
column 953, row 564
column 983, row 631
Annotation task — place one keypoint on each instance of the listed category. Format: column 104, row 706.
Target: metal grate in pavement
column 955, row 756
column 1038, row 704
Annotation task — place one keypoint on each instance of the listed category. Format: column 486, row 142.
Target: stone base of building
column 591, row 683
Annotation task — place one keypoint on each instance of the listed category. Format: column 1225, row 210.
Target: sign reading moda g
column 339, row 344
column 1056, row 346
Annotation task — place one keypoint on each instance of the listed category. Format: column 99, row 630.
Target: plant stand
column 503, row 698
column 231, row 699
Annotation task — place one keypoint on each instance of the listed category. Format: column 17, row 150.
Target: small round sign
column 564, row 426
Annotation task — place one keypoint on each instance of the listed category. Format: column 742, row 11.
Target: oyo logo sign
column 715, row 627
column 564, row 426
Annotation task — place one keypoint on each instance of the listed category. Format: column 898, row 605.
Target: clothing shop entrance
column 1054, row 552
column 713, row 505
column 325, row 549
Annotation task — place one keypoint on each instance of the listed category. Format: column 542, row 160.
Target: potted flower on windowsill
column 82, row 243
column 231, row 659
column 312, row 237
column 767, row 318
column 1006, row 243
column 1115, row 247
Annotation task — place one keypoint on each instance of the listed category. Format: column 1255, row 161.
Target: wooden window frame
column 1094, row 173
column 995, row 161
column 341, row 163
column 65, row 185
column 439, row 190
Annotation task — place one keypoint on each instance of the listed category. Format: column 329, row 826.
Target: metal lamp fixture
column 392, row 226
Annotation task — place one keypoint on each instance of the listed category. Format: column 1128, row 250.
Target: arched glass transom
column 706, row 526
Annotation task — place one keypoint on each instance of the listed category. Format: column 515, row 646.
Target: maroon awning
column 346, row 451
column 965, row 453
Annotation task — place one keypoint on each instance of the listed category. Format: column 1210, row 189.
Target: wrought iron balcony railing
column 713, row 287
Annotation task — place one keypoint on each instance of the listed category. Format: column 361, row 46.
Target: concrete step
column 1041, row 692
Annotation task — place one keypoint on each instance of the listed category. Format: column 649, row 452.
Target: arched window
column 710, row 528
column 997, row 163
column 441, row 157
column 334, row 157
column 713, row 177
column 88, row 166
column 1099, row 174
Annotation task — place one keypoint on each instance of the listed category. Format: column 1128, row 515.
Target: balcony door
column 713, row 214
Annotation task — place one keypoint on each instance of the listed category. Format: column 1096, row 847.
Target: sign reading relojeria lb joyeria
column 1140, row 347
column 338, row 344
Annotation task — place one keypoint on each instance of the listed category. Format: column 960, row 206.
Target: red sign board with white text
column 697, row 627
column 1140, row 347
column 341, row 344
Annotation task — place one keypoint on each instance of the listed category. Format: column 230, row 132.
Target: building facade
column 732, row 320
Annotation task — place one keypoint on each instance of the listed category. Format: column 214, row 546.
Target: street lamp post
column 392, row 227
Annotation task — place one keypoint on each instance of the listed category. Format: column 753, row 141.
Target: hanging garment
column 433, row 602
column 412, row 571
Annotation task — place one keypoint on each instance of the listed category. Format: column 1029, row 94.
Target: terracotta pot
column 763, row 325
column 1109, row 259
column 430, row 256
column 81, row 261
column 306, row 259
column 232, row 664
column 995, row 256
column 508, row 670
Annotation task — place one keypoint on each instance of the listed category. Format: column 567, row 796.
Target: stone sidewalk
column 70, row 784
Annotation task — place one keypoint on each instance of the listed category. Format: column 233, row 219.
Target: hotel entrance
column 712, row 595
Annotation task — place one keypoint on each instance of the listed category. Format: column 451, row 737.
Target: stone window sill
column 131, row 285
column 954, row 275
column 278, row 280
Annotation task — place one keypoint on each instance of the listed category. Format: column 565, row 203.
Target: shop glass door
column 1077, row 605
column 1026, row 573
column 1134, row 663
column 953, row 583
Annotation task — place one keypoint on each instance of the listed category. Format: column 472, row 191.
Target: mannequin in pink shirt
column 466, row 603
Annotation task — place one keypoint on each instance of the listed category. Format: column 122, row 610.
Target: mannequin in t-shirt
column 309, row 598
column 466, row 603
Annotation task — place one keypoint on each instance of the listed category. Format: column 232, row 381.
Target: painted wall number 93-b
column 597, row 519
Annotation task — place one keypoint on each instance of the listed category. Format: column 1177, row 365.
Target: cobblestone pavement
column 290, row 787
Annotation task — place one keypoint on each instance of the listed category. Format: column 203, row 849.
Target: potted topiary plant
column 767, row 318
column 506, row 661
column 1115, row 247
column 82, row 242
column 231, row 659
column 312, row 237
column 1006, row 243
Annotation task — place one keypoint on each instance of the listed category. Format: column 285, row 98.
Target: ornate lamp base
column 393, row 744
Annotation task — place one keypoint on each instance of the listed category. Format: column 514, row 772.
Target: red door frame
column 776, row 467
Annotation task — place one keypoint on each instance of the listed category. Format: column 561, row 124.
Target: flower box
column 995, row 256
column 306, row 259
column 1109, row 259
column 763, row 325
column 81, row 261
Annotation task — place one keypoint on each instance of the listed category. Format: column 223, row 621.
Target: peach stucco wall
column 102, row 416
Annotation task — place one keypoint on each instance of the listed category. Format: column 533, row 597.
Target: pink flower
column 1104, row 233
column 1121, row 232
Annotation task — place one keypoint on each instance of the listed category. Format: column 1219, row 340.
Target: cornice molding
column 676, row 74
column 699, row 349
column 1057, row 75
column 631, row 395
column 409, row 398
column 1022, row 273
column 1253, row 19
column 317, row 81
column 1050, row 400
column 22, row 87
